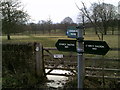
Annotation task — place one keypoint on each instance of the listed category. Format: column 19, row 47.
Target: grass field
column 49, row 41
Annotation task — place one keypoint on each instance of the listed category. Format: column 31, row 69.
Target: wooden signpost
column 90, row 47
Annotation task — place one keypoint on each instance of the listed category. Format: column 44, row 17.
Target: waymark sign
column 90, row 47
column 66, row 45
column 96, row 47
column 72, row 32
column 58, row 56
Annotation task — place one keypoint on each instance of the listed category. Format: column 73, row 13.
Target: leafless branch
column 85, row 12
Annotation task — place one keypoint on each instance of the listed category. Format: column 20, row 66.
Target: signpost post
column 80, row 58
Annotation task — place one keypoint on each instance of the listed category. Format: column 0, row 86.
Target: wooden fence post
column 40, row 72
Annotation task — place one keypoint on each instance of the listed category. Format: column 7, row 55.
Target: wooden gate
column 59, row 62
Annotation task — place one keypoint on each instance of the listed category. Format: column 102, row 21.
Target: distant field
column 49, row 41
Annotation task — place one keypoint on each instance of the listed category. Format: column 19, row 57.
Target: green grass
column 49, row 41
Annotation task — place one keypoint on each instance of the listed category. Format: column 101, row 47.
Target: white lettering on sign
column 95, row 46
column 73, row 30
column 89, row 45
column 62, row 44
column 99, row 46
column 66, row 47
column 58, row 55
column 66, row 44
column 71, row 44
column 73, row 34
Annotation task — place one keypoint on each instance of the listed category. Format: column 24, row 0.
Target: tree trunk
column 105, row 30
column 105, row 27
column 49, row 32
column 118, row 26
column 8, row 37
column 112, row 30
column 96, row 30
column 43, row 32
column 83, row 31
column 105, row 33
column 55, row 31
column 83, row 21
column 102, row 37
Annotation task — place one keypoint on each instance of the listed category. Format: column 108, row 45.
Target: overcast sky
column 57, row 10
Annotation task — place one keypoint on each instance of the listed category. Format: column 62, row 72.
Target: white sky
column 57, row 10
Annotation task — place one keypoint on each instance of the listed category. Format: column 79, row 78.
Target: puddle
column 57, row 81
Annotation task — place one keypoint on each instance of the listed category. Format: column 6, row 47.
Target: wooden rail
column 107, row 77
column 92, row 76
column 100, row 69
column 86, row 68
column 58, row 68
column 87, row 58
column 54, row 48
column 106, row 59
column 67, row 75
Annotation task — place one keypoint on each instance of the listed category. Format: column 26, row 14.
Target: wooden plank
column 67, row 75
column 100, row 69
column 51, row 48
column 107, row 59
column 54, row 48
column 107, row 77
column 92, row 76
column 86, row 68
column 58, row 68
column 63, row 62
column 87, row 58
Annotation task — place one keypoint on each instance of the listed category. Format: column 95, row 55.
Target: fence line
column 106, row 77
column 86, row 68
column 54, row 48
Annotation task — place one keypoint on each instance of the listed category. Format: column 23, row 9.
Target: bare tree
column 94, row 16
column 86, row 14
column 82, row 20
column 100, row 16
column 106, row 13
column 13, row 16
column 49, row 25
